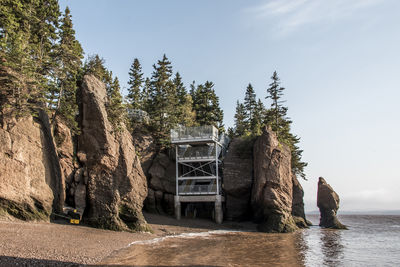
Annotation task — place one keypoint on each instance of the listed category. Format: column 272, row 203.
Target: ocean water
column 370, row 241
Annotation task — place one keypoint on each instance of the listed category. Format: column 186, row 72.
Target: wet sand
column 217, row 248
column 59, row 244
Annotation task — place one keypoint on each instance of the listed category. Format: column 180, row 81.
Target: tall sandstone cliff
column 272, row 192
column 28, row 182
column 116, row 184
column 97, row 172
column 238, row 179
column 260, row 185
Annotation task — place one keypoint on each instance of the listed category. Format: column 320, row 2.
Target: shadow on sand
column 198, row 223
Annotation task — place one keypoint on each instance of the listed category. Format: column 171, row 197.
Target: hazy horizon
column 338, row 61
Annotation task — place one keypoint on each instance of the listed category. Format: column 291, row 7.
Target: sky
column 339, row 61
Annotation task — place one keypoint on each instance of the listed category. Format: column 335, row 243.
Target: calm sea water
column 370, row 241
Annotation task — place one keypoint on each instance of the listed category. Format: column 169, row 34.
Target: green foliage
column 185, row 114
column 69, row 54
column 116, row 110
column 277, row 118
column 249, row 115
column 135, row 85
column 27, row 39
column 240, row 120
column 163, row 99
column 250, row 102
column 206, row 105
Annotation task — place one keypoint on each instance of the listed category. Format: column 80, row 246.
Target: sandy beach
column 61, row 244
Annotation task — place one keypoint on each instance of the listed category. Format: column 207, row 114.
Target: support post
column 216, row 166
column 176, row 171
column 177, row 205
column 218, row 209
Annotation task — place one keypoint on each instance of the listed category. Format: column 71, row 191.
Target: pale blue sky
column 339, row 61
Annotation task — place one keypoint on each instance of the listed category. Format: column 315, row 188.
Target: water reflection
column 331, row 246
column 234, row 249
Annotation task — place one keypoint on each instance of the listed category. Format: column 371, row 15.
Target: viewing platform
column 195, row 134
column 199, row 154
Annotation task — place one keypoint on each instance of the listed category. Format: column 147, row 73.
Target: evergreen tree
column 180, row 88
column 277, row 114
column 163, row 100
column 145, row 98
column 277, row 118
column 115, row 107
column 135, row 84
column 250, row 103
column 192, row 90
column 257, row 121
column 240, row 119
column 43, row 25
column 28, row 35
column 69, row 54
column 95, row 65
column 206, row 106
column 185, row 115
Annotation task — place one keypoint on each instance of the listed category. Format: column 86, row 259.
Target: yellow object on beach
column 74, row 221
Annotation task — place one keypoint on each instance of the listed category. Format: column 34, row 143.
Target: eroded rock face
column 272, row 188
column 298, row 204
column 25, row 171
column 161, row 179
column 146, row 148
column 328, row 204
column 116, row 185
column 65, row 151
column 238, row 180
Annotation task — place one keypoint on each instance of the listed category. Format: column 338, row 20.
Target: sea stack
column 116, row 184
column 328, row 204
column 272, row 191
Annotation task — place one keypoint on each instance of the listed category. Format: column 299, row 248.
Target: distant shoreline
column 367, row 212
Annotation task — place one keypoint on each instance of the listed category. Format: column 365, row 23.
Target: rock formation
column 238, row 179
column 25, row 171
column 298, row 204
column 272, row 188
column 65, row 151
column 161, row 180
column 116, row 185
column 328, row 204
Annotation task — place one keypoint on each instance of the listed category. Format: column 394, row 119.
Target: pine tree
column 277, row 118
column 42, row 43
column 163, row 100
column 16, row 64
column 186, row 116
column 250, row 103
column 115, row 107
column 145, row 98
column 95, row 65
column 135, row 84
column 69, row 54
column 28, row 35
column 180, row 88
column 257, row 121
column 277, row 114
column 206, row 106
column 240, row 120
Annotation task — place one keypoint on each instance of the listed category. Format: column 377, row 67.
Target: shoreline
column 62, row 244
